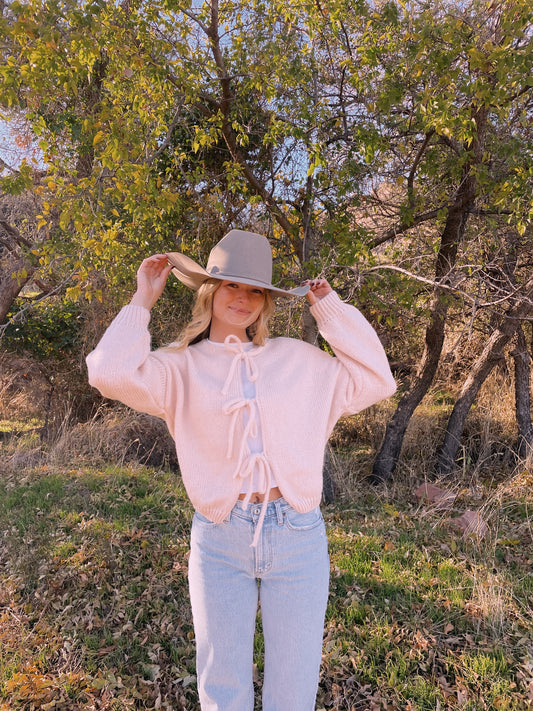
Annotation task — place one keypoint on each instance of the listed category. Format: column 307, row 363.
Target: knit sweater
column 300, row 393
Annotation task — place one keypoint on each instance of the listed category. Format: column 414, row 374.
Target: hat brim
column 193, row 275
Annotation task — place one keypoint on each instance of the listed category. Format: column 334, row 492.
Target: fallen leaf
column 441, row 498
column 471, row 523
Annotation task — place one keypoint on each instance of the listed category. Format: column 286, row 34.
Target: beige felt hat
column 243, row 257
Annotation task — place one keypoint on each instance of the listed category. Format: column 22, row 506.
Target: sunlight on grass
column 94, row 602
column 400, row 609
column 17, row 426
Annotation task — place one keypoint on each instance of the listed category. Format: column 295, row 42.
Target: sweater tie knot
column 242, row 355
column 259, row 464
column 243, row 409
column 236, row 408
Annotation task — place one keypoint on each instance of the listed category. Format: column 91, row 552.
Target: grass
column 94, row 610
column 94, row 603
column 420, row 618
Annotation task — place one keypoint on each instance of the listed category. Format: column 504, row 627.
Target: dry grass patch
column 93, row 568
column 116, row 435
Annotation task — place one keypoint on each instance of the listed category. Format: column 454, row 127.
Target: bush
column 49, row 330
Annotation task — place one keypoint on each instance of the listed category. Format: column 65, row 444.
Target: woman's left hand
column 319, row 289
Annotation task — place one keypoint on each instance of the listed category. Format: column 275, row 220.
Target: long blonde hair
column 198, row 327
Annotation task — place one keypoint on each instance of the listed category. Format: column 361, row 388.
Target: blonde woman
column 250, row 416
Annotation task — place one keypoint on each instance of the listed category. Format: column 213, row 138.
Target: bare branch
column 446, row 287
column 168, row 138
column 393, row 232
column 195, row 19
column 5, row 165
column 18, row 316
column 15, row 235
column 412, row 172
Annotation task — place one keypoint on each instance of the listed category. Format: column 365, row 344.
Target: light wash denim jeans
column 288, row 572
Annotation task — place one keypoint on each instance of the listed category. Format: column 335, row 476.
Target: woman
column 250, row 417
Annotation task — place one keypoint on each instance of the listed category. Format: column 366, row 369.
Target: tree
column 522, row 361
column 457, row 82
column 112, row 88
column 18, row 234
column 490, row 355
column 375, row 140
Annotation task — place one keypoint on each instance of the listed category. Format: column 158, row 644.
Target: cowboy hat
column 240, row 256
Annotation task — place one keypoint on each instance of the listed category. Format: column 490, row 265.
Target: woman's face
column 235, row 308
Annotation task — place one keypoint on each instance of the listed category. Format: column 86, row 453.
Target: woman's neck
column 219, row 333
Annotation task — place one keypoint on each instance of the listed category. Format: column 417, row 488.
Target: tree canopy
column 384, row 144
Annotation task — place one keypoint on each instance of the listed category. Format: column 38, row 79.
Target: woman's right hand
column 152, row 276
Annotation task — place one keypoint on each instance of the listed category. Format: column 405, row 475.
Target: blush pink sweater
column 300, row 393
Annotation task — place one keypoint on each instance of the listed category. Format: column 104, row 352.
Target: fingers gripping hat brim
column 242, row 257
column 187, row 270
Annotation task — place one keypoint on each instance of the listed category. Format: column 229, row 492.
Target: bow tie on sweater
column 248, row 462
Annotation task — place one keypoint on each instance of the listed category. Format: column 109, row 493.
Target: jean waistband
column 251, row 512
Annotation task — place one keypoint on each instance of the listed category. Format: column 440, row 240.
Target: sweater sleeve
column 122, row 366
column 364, row 376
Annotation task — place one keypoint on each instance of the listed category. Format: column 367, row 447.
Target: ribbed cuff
column 328, row 308
column 133, row 317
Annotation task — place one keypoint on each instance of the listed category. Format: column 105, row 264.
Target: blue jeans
column 288, row 572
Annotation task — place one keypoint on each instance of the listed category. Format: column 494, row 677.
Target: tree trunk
column 328, row 490
column 92, row 95
column 387, row 458
column 10, row 287
column 310, row 335
column 453, row 233
column 485, row 363
column 522, row 364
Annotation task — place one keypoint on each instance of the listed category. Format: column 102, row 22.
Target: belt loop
column 279, row 512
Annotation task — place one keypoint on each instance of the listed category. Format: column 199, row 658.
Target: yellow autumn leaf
column 98, row 138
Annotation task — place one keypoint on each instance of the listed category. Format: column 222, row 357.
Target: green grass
column 18, row 426
column 94, row 609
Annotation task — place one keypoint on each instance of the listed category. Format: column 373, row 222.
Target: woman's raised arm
column 152, row 276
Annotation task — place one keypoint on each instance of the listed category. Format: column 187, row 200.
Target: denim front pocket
column 303, row 521
column 200, row 518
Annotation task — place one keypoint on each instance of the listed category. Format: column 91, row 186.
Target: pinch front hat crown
column 240, row 256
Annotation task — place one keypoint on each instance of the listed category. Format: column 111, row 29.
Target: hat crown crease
column 240, row 256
